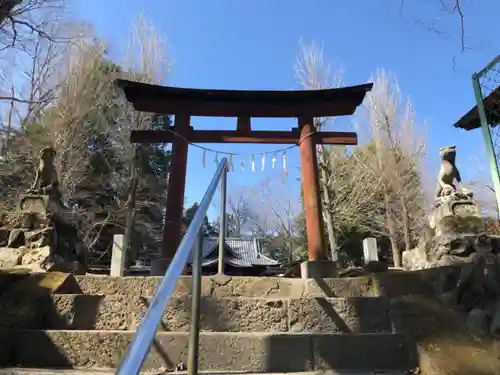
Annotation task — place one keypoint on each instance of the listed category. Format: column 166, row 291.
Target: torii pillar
column 302, row 105
column 310, row 188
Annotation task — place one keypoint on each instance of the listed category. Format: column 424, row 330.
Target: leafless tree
column 481, row 185
column 67, row 98
column 354, row 190
column 239, row 208
column 345, row 191
column 34, row 85
column 85, row 90
column 64, row 86
column 30, row 30
column 398, row 148
column 313, row 73
column 20, row 20
column 31, row 81
column 276, row 213
column 147, row 60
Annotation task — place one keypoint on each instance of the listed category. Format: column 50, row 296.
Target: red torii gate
column 303, row 105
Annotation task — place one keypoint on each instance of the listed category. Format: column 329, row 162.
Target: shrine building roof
column 239, row 252
column 235, row 103
column 492, row 106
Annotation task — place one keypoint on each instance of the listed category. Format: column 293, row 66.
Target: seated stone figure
column 46, row 179
column 448, row 173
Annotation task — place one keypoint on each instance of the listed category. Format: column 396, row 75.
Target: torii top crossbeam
column 237, row 103
column 302, row 105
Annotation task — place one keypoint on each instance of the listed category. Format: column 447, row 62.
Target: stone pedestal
column 312, row 269
column 456, row 205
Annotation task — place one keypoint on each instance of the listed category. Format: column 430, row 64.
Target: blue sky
column 253, row 45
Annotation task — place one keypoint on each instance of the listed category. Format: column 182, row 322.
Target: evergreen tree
column 151, row 196
column 208, row 228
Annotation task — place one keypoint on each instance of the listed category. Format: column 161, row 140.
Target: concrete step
column 387, row 284
column 232, row 314
column 25, row 371
column 242, row 351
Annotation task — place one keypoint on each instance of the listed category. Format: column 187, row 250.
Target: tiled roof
column 239, row 253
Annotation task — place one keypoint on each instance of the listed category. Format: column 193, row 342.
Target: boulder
column 11, row 257
column 477, row 324
column 40, row 237
column 36, row 256
column 16, row 238
column 4, row 236
column 42, row 259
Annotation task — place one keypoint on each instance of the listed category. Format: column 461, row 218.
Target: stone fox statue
column 46, row 179
column 448, row 172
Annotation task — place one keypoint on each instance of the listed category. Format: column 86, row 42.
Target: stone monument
column 456, row 236
column 40, row 235
column 455, row 227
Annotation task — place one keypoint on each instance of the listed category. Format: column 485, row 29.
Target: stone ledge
column 25, row 371
column 388, row 284
column 219, row 286
column 257, row 352
column 232, row 314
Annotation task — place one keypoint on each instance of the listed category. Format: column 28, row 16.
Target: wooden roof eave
column 471, row 119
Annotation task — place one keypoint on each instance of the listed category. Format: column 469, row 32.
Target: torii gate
column 303, row 105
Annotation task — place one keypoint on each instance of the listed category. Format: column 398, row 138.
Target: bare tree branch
column 314, row 74
column 21, row 20
column 447, row 8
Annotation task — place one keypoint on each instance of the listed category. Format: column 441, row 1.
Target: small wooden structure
column 471, row 120
column 303, row 105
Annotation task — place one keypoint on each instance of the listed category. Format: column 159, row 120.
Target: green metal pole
column 223, row 222
column 488, row 67
column 194, row 330
column 487, row 137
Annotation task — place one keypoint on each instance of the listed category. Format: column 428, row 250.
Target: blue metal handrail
column 143, row 339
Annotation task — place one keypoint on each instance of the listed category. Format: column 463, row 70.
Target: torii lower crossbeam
column 302, row 105
column 228, row 136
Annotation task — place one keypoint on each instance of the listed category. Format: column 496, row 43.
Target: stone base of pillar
column 159, row 266
column 312, row 269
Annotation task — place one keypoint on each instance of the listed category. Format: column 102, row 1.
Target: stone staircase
column 247, row 325
column 379, row 323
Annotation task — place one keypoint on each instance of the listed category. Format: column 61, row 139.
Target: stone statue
column 454, row 223
column 448, row 172
column 46, row 179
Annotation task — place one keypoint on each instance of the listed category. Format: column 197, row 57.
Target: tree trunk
column 131, row 254
column 326, row 211
column 6, row 146
column 237, row 227
column 406, row 223
column 396, row 256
